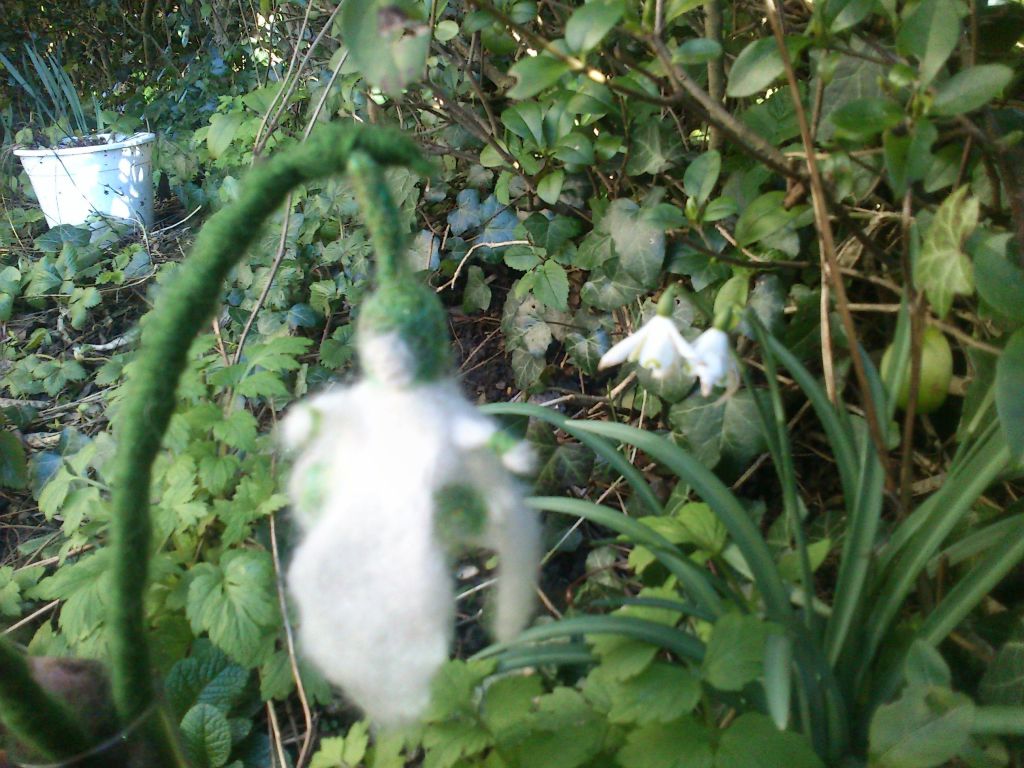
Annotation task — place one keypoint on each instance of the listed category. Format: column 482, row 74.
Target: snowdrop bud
column 712, row 359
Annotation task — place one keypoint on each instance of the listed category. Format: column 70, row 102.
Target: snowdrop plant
column 661, row 348
column 390, row 475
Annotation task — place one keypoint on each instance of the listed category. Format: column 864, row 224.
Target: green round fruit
column 936, row 372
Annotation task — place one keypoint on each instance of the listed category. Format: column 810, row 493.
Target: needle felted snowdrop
column 391, row 475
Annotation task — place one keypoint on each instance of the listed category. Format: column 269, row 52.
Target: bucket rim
column 135, row 140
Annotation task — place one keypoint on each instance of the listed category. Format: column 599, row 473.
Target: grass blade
column 601, row 447
column 721, row 500
column 677, row 641
column 695, row 581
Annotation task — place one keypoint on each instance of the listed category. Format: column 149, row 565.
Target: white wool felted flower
column 371, row 578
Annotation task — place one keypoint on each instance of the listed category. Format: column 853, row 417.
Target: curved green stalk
column 774, row 420
column 677, row 641
column 184, row 306
column 721, row 500
column 693, row 579
column 34, row 716
column 600, row 446
column 949, row 504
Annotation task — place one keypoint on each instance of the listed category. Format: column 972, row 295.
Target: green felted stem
column 31, row 715
column 411, row 310
column 401, row 304
column 183, row 308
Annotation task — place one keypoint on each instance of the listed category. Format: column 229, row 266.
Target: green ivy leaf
column 650, row 152
column 389, row 49
column 942, row 269
column 477, row 293
column 1003, row 683
column 589, row 24
column 970, row 89
column 207, row 736
column 638, row 238
column 715, row 431
column 930, row 34
column 683, row 743
column 236, row 603
column 1009, row 386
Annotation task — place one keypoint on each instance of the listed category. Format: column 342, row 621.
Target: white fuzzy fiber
column 370, row 579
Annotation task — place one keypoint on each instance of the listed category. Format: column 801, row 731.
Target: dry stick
column 258, row 145
column 282, row 249
column 264, row 135
column 307, row 715
column 824, row 226
column 282, row 243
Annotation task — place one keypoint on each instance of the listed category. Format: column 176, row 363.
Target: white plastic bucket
column 113, row 180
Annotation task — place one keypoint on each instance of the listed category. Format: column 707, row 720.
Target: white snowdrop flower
column 378, row 464
column 658, row 346
column 711, row 361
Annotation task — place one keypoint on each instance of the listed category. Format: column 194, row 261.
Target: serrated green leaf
column 206, row 677
column 735, row 654
column 753, row 741
column 926, row 727
column 661, row 693
column 551, row 286
column 236, row 603
column 207, row 736
column 680, row 744
column 942, row 269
